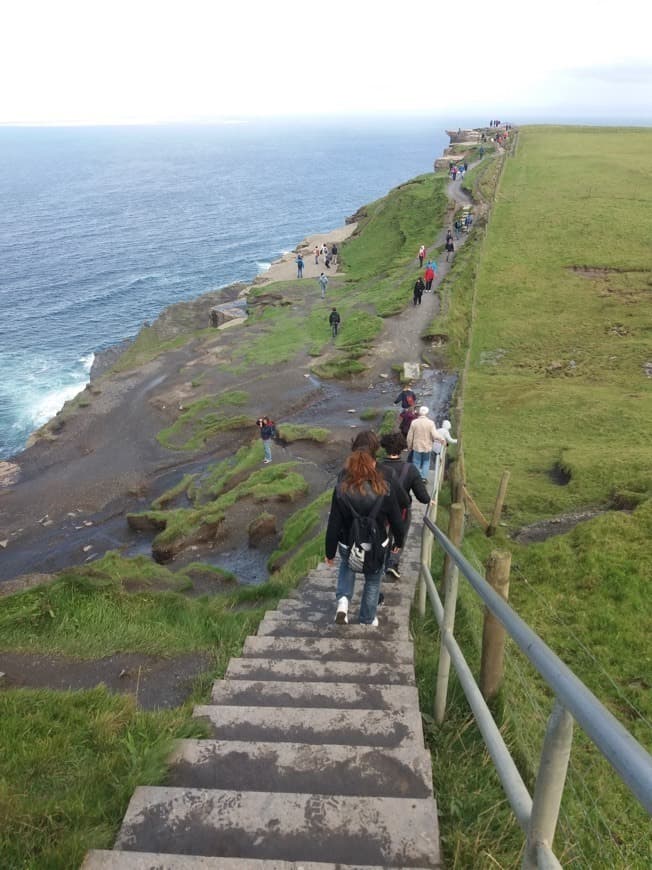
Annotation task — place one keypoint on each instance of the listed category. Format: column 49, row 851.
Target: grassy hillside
column 557, row 390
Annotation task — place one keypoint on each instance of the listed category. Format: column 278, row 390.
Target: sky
column 151, row 61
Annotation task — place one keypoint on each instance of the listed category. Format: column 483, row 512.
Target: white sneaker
column 265, row 461
column 341, row 616
column 374, row 622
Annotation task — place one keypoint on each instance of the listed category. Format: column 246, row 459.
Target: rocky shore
column 63, row 501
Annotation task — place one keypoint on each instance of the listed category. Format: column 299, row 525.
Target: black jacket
column 341, row 518
column 404, row 478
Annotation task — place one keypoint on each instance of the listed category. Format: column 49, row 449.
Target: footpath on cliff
column 64, row 499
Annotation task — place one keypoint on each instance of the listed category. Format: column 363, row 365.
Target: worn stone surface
column 331, row 649
column 301, row 767
column 271, row 693
column 380, row 728
column 330, row 672
column 104, row 860
column 295, row 827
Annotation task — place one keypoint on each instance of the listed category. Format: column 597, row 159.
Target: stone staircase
column 316, row 758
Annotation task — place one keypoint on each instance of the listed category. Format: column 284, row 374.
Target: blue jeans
column 369, row 602
column 267, row 447
column 421, row 460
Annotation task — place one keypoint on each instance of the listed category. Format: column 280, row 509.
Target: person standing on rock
column 323, row 283
column 419, row 287
column 361, row 492
column 299, row 262
column 267, row 432
column 420, row 440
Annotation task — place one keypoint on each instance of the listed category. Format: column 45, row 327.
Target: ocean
column 101, row 228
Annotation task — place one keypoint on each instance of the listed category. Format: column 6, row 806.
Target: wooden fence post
column 455, row 535
column 498, row 507
column 493, row 633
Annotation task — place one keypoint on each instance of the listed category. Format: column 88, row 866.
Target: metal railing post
column 450, row 604
column 426, row 535
column 549, row 787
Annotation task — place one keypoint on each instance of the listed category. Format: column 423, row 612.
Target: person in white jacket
column 445, row 433
column 422, row 436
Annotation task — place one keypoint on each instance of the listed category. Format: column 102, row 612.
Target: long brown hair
column 360, row 468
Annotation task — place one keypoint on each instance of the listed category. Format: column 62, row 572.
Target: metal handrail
column 537, row 815
column 625, row 754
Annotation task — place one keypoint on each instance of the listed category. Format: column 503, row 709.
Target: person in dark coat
column 407, row 397
column 419, row 287
column 406, row 481
column 365, row 487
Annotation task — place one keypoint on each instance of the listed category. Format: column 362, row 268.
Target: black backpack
column 367, row 544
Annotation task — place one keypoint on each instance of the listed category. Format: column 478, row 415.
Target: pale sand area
column 285, row 268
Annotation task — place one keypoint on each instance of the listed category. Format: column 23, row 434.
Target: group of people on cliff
column 370, row 506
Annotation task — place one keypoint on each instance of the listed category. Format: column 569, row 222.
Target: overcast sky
column 114, row 61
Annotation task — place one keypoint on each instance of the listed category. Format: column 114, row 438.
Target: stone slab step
column 388, row 729
column 306, row 670
column 301, row 628
column 386, row 615
column 348, row 696
column 382, row 831
column 301, row 767
column 326, row 607
column 113, row 860
column 392, row 592
column 375, row 649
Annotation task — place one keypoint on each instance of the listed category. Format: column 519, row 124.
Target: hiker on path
column 406, row 418
column 430, row 275
column 362, row 490
column 458, row 228
column 420, row 439
column 445, row 433
column 267, row 432
column 468, row 220
column 404, row 479
column 323, row 283
column 334, row 254
column 450, row 248
column 334, row 320
column 419, row 287
column 316, row 252
column 406, row 397
column 299, row 262
column 422, row 255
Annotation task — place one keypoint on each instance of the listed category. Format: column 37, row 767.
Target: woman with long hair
column 361, row 491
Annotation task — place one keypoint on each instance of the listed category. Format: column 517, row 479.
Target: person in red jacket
column 429, row 276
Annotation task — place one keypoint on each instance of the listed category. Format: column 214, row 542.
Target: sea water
column 102, row 228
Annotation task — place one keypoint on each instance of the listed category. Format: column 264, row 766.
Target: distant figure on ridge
column 267, row 432
column 334, row 320
column 299, row 262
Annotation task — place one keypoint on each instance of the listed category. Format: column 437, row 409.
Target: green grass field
column 556, row 294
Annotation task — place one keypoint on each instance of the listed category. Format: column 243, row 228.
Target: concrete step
column 297, row 670
column 334, row 696
column 280, row 627
column 386, row 615
column 326, row 607
column 382, row 831
column 104, row 860
column 301, row 767
column 393, row 592
column 388, row 729
column 334, row 649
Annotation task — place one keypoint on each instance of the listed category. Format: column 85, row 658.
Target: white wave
column 87, row 361
column 263, row 267
column 51, row 403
